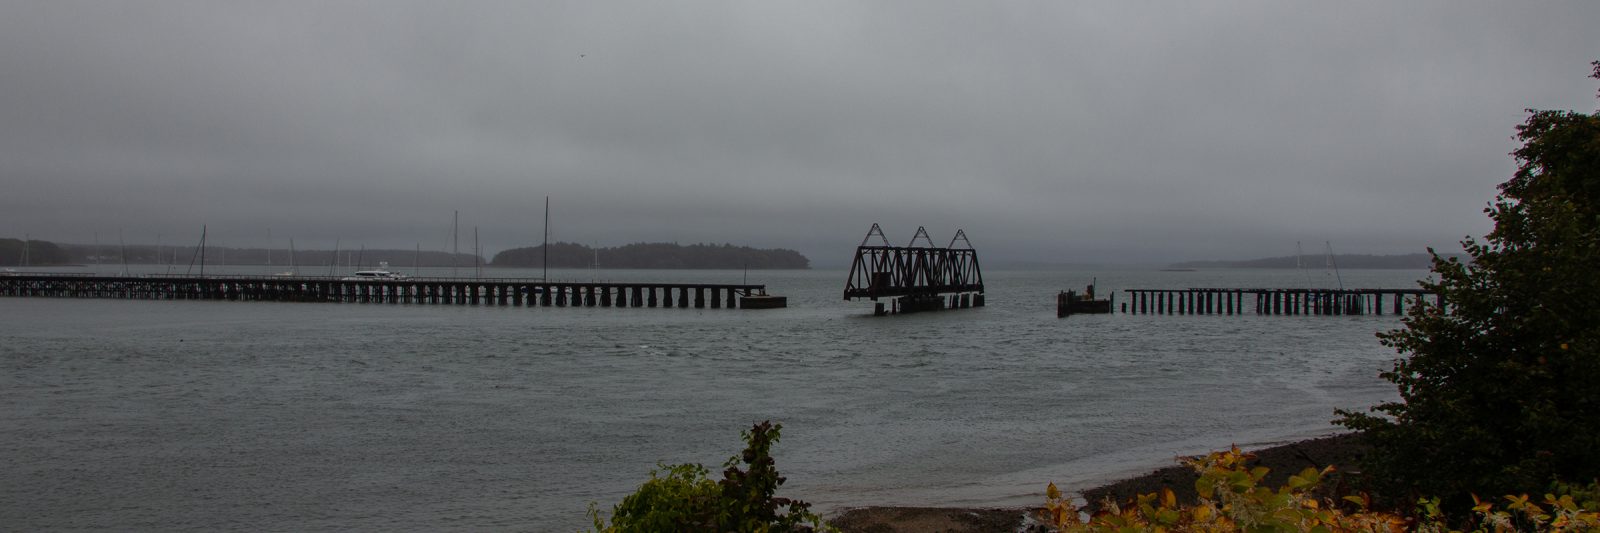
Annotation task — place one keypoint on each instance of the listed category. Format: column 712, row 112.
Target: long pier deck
column 445, row 291
column 1231, row 301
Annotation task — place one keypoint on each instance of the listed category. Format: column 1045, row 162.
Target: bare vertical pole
column 477, row 253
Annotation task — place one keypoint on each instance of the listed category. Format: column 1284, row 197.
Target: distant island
column 1397, row 262
column 653, row 256
column 145, row 254
column 17, row 252
column 34, row 252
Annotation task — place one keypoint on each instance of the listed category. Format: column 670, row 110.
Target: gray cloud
column 1049, row 131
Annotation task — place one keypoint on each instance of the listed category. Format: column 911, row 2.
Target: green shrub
column 682, row 498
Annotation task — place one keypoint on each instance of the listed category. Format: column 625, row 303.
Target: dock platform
column 528, row 292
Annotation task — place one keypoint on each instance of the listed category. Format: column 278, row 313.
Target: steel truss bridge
column 917, row 276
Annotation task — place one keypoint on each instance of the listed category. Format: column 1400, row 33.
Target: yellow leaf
column 1168, row 499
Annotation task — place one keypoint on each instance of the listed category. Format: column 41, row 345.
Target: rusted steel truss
column 889, row 271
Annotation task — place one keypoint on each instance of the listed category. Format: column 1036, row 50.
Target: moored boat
column 382, row 273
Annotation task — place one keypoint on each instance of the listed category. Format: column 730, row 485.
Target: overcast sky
column 1095, row 132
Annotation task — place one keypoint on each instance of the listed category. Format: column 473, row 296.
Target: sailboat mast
column 1334, row 264
column 477, row 255
column 1298, row 263
column 202, row 250
column 123, row 245
column 546, row 246
column 455, row 243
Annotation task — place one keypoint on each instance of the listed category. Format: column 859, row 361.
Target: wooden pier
column 442, row 291
column 1201, row 301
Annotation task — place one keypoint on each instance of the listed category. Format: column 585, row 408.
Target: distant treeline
column 145, row 254
column 1403, row 261
column 653, row 255
column 17, row 252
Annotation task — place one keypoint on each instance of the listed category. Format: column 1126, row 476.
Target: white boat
column 382, row 273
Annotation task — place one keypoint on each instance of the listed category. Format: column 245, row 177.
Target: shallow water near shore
column 188, row 415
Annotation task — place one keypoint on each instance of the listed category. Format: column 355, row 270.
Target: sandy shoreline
column 1284, row 460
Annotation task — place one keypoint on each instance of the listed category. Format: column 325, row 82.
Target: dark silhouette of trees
column 653, row 255
column 39, row 253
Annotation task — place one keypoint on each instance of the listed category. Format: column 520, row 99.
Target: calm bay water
column 283, row 416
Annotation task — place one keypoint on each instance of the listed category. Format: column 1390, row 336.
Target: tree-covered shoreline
column 653, row 256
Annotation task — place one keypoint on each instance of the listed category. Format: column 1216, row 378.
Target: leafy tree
column 681, row 498
column 1500, row 392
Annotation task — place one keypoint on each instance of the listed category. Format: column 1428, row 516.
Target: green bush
column 682, row 498
column 1498, row 390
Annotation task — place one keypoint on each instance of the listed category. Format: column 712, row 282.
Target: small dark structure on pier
column 1071, row 303
column 1200, row 301
column 448, row 291
column 918, row 278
